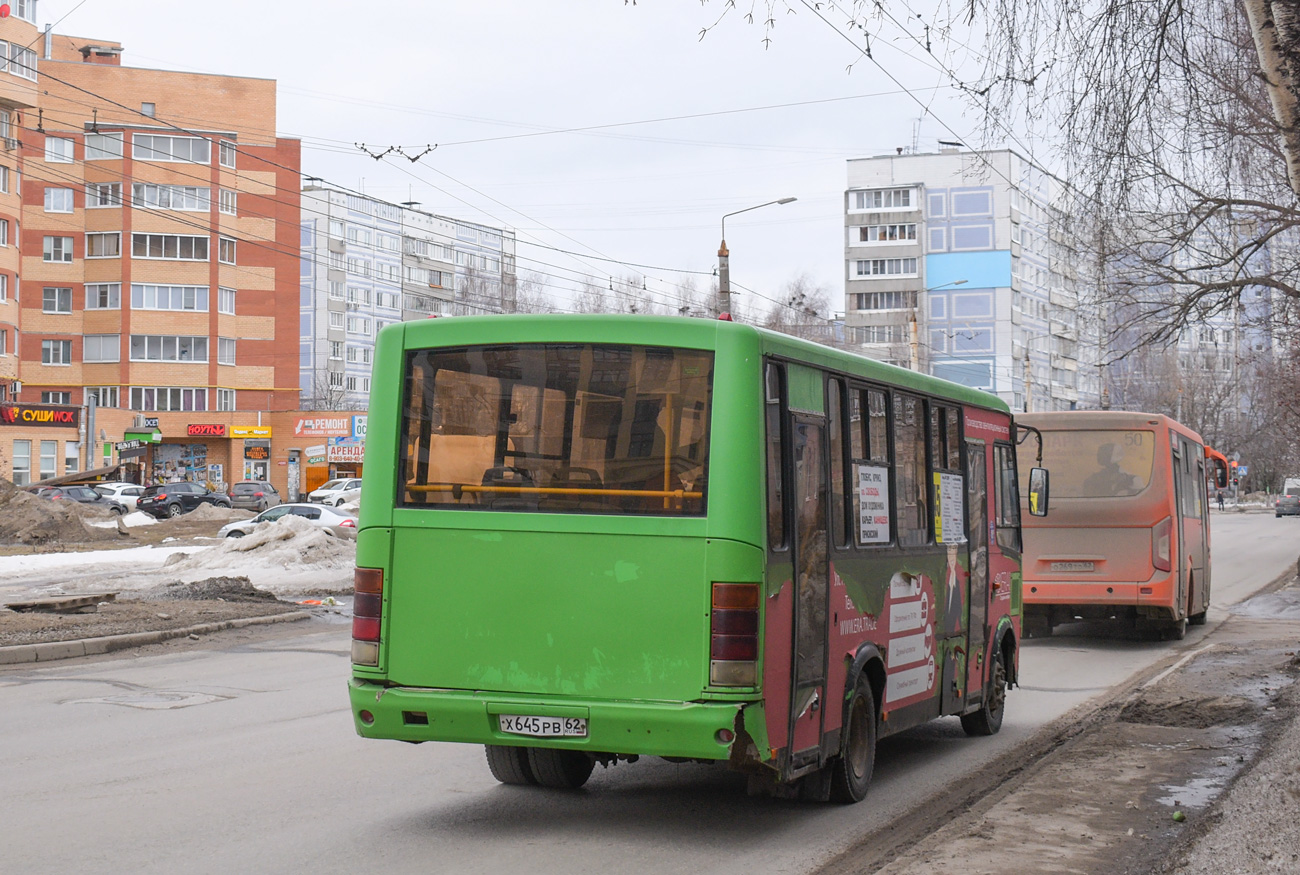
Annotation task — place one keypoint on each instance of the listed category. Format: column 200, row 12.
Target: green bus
column 586, row 539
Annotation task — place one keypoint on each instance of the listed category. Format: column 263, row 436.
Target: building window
column 225, row 399
column 337, row 290
column 351, row 384
column 148, row 109
column 883, row 233
column 56, row 352
column 58, row 249
column 105, row 396
column 104, row 147
column 880, row 333
column 4, row 177
column 883, row 199
column 146, row 296
column 56, row 397
column 228, row 201
column 4, row 287
column 225, row 300
column 56, row 300
column 101, row 348
column 886, row 267
column 22, row 463
column 104, row 245
column 225, row 350
column 884, row 300
column 336, row 320
column 58, row 150
column 225, row 250
column 358, row 325
column 226, row 153
column 58, row 200
column 4, row 232
column 4, row 342
column 71, row 453
column 168, row 348
column 359, row 267
column 103, row 296
column 168, row 398
column 49, row 459
column 23, row 60
column 190, row 198
column 168, row 246
column 336, row 380
column 103, row 194
column 337, row 228
column 154, row 147
column 336, row 350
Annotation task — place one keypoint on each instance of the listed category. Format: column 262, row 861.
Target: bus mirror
column 1038, row 491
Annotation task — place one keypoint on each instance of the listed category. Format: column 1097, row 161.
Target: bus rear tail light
column 367, row 610
column 733, row 635
column 1161, row 534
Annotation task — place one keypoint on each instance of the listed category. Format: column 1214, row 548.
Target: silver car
column 340, row 525
column 126, row 493
column 332, row 492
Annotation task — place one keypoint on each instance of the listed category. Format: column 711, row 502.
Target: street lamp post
column 724, row 257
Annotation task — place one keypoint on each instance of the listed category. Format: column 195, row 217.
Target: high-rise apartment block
column 957, row 264
column 367, row 263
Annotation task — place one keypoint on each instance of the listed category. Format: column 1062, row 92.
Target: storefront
column 39, row 441
column 334, row 445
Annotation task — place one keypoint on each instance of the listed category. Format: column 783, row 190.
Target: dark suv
column 254, row 495
column 1288, row 504
column 174, row 499
column 82, row 495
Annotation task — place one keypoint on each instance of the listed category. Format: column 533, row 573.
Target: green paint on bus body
column 485, row 611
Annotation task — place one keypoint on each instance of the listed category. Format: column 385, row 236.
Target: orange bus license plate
column 1072, row 566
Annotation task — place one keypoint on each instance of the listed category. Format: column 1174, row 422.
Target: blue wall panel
column 989, row 270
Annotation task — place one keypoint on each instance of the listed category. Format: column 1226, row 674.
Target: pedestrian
column 1219, row 495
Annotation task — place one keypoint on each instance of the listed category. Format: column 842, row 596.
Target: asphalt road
column 239, row 755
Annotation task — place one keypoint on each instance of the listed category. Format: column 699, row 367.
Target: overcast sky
column 697, row 128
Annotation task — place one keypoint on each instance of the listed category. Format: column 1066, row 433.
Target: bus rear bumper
column 1071, row 592
column 683, row 729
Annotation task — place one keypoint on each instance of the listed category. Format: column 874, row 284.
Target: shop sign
column 347, row 452
column 250, row 431
column 359, row 427
column 128, row 445
column 206, row 430
column 150, row 422
column 317, row 460
column 257, row 454
column 40, row 414
column 322, row 426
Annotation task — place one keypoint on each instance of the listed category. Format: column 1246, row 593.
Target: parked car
column 331, row 492
column 253, row 495
column 1288, row 504
column 333, row 522
column 126, row 493
column 81, row 495
column 174, row 499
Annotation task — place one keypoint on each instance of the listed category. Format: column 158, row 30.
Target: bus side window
column 1007, row 497
column 773, row 391
column 911, row 493
column 869, row 448
column 836, row 425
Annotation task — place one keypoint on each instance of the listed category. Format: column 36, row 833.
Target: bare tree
column 530, row 295
column 325, row 395
column 802, row 309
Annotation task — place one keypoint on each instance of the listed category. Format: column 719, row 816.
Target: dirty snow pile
column 26, row 519
column 286, row 557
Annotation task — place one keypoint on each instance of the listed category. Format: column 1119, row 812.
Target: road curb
column 50, row 651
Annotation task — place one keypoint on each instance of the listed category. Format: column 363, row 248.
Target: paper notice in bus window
column 949, row 519
column 873, row 504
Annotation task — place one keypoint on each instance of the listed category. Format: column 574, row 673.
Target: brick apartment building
column 155, row 277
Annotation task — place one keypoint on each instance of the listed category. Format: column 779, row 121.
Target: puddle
column 1281, row 605
column 1196, row 793
column 153, row 701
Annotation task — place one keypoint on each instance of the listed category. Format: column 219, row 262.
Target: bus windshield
column 566, row 428
column 1098, row 464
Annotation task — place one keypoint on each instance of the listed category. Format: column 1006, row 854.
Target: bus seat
column 506, row 475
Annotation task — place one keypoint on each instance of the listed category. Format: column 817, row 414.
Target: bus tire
column 560, row 769
column 988, row 719
column 1175, row 630
column 1198, row 619
column 851, row 770
column 509, row 765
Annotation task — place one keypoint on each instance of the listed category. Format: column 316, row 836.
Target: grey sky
column 474, row 75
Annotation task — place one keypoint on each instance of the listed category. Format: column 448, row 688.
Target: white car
column 331, row 492
column 333, row 522
column 126, row 493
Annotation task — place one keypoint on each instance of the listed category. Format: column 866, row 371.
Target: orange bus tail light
column 1161, row 535
column 367, row 611
column 733, row 635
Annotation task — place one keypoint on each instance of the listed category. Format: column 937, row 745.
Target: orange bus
column 1129, row 534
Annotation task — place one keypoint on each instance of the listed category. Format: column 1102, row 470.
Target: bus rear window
column 1096, row 464
column 561, row 428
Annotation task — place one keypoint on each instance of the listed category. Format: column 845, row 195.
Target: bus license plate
column 1072, row 566
column 543, row 727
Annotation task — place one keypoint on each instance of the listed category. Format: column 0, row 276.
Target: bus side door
column 977, row 545
column 812, row 590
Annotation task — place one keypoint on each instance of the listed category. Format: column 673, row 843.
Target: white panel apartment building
column 956, row 265
column 367, row 263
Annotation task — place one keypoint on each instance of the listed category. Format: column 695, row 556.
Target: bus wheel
column 509, row 765
column 1198, row 619
column 1175, row 630
column 560, row 769
column 851, row 770
column 988, row 719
